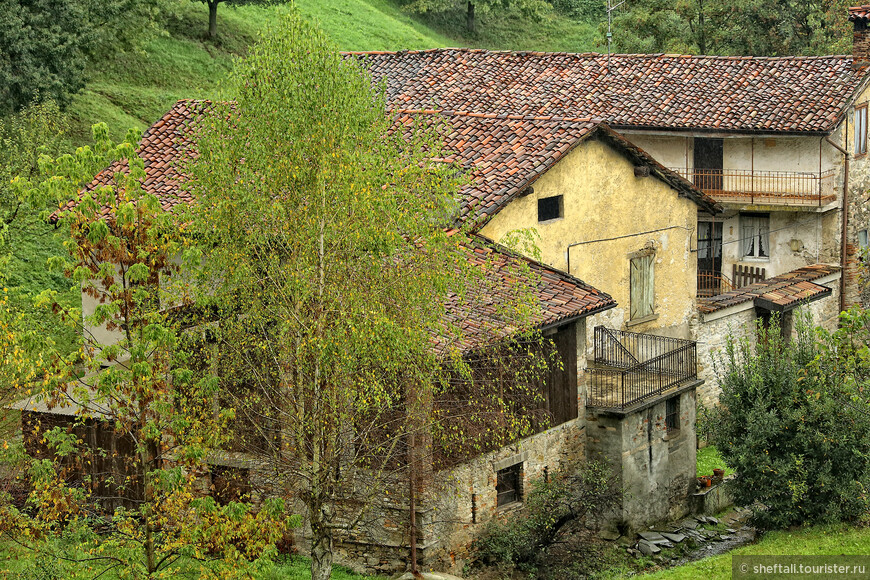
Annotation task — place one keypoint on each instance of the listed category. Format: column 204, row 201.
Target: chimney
column 859, row 16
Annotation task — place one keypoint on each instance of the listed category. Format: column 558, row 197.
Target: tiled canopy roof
column 859, row 12
column 671, row 92
column 505, row 154
column 780, row 293
column 480, row 315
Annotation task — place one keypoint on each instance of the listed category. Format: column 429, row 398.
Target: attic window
column 549, row 208
column 509, row 485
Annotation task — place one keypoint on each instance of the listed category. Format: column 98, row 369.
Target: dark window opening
column 229, row 484
column 672, row 414
column 549, row 208
column 508, row 486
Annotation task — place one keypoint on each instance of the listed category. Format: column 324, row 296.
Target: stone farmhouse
column 675, row 199
column 778, row 144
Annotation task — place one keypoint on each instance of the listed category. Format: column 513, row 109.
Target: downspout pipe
column 845, row 220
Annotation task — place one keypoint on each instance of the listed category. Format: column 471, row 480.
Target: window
column 509, row 485
column 672, row 414
column 229, row 484
column 861, row 129
column 642, row 286
column 754, row 234
column 549, row 208
column 863, row 240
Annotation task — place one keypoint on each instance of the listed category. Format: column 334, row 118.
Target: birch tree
column 322, row 235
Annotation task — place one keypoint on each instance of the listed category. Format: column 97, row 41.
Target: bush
column 550, row 505
column 790, row 428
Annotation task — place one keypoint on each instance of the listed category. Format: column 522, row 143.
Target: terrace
column 754, row 187
column 630, row 368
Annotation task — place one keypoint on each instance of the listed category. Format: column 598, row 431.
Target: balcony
column 749, row 187
column 630, row 368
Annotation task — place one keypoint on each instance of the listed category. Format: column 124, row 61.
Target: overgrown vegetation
column 794, row 421
column 523, row 539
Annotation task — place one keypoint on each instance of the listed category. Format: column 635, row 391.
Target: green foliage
column 786, row 428
column 213, row 6
column 128, row 382
column 522, row 538
column 532, row 9
column 740, row 27
column 43, row 47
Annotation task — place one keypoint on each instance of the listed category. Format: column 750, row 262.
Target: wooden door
column 708, row 163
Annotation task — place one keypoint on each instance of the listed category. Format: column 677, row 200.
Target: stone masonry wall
column 656, row 468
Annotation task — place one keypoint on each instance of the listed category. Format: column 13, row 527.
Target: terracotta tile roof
column 662, row 91
column 859, row 12
column 480, row 315
column 505, row 154
column 779, row 293
column 163, row 144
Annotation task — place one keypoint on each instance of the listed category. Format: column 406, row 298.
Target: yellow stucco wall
column 603, row 199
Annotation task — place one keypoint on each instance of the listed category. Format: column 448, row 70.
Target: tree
column 324, row 253
column 741, row 27
column 47, row 45
column 43, row 45
column 474, row 7
column 213, row 6
column 121, row 475
column 793, row 426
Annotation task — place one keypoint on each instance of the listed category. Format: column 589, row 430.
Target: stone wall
column 656, row 467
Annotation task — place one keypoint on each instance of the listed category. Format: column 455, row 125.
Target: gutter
column 845, row 215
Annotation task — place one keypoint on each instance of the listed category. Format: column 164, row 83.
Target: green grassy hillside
column 133, row 89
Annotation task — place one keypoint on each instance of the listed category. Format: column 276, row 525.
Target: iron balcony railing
column 763, row 187
column 629, row 368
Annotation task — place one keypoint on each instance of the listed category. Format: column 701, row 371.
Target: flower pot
column 720, row 473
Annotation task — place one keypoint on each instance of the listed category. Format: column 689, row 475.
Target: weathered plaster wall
column 603, row 199
column 796, row 239
column 738, row 322
column 656, row 468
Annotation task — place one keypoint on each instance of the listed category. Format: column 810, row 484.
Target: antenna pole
column 610, row 9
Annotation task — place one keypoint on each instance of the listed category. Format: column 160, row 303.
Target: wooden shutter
column 642, row 285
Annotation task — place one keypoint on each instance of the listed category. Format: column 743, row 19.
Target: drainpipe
column 845, row 221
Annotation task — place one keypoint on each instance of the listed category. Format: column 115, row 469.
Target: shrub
column 800, row 452
column 550, row 505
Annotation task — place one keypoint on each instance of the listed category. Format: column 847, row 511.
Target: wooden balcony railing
column 764, row 187
column 630, row 368
column 712, row 284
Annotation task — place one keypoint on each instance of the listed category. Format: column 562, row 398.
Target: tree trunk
column 470, row 21
column 321, row 549
column 212, row 18
column 702, row 40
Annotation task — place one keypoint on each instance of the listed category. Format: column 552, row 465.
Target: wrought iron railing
column 712, row 284
column 629, row 368
column 766, row 187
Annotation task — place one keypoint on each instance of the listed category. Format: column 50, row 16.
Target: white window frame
column 755, row 236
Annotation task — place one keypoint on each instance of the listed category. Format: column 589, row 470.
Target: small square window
column 509, row 485
column 672, row 414
column 549, row 208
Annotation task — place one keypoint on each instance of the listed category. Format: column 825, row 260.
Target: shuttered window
column 642, row 286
